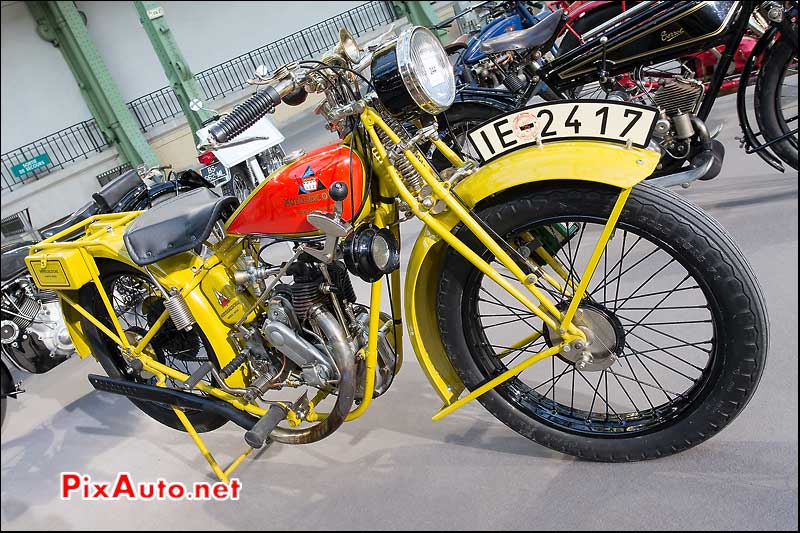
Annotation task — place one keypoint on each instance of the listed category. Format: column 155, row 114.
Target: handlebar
column 251, row 111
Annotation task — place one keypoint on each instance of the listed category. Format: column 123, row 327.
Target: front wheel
column 675, row 323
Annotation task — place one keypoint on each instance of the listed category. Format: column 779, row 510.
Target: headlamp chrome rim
column 409, row 77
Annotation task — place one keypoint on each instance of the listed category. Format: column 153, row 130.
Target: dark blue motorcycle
column 471, row 64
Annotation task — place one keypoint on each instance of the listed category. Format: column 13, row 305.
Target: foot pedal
column 198, row 375
column 260, row 432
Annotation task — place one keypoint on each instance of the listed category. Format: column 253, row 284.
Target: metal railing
column 62, row 147
column 17, row 228
column 159, row 107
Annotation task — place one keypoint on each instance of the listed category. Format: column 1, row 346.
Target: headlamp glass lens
column 432, row 68
column 380, row 252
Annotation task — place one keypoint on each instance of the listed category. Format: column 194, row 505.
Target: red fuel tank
column 279, row 205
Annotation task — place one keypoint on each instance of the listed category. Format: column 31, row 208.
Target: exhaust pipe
column 151, row 393
column 344, row 356
column 705, row 166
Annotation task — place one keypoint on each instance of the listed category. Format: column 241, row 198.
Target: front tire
column 663, row 422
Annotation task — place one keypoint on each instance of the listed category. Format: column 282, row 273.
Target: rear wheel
column 674, row 317
column 240, row 185
column 776, row 100
column 137, row 305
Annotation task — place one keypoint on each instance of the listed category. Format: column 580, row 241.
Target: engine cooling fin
column 679, row 95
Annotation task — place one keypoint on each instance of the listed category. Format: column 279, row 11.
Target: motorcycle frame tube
column 546, row 311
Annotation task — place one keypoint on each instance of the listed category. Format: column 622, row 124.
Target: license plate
column 617, row 122
column 216, row 173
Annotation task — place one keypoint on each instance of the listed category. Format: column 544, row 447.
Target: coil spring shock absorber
column 410, row 176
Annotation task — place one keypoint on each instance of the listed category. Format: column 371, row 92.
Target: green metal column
column 180, row 76
column 62, row 24
column 420, row 14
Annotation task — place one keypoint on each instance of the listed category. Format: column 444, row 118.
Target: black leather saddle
column 176, row 225
column 534, row 37
column 114, row 191
column 78, row 216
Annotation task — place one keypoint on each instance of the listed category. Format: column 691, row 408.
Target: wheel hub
column 605, row 338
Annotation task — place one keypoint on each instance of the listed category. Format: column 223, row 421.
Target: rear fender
column 579, row 161
column 175, row 271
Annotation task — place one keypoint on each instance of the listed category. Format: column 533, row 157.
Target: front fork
column 546, row 310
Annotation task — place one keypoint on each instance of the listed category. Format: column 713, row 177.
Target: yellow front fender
column 587, row 161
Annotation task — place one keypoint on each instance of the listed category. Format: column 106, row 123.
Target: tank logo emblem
column 671, row 35
column 309, row 182
column 221, row 298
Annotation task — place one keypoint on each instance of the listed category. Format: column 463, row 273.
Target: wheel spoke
column 637, row 263
column 673, row 337
column 659, row 303
column 656, row 348
column 649, row 289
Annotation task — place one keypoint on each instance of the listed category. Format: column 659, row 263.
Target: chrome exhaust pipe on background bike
column 706, row 165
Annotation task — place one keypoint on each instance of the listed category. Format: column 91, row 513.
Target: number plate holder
column 599, row 120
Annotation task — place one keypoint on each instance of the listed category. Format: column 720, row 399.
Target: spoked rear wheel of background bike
column 776, row 100
column 137, row 304
column 674, row 315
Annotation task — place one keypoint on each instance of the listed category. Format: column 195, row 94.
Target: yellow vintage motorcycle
column 647, row 324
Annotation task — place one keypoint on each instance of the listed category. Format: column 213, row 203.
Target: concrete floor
column 396, row 469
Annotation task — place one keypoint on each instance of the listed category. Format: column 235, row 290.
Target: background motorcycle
column 239, row 169
column 584, row 16
column 639, row 57
column 475, row 68
column 33, row 337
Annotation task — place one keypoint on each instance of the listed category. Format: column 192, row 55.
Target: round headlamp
column 371, row 253
column 414, row 74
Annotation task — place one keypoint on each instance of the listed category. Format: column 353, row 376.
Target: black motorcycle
column 33, row 337
column 636, row 57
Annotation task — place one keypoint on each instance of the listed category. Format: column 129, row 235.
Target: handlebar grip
column 245, row 115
